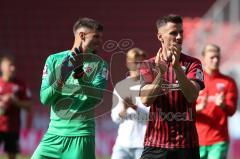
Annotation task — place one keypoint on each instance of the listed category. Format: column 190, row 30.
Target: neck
column 134, row 75
column 6, row 78
column 74, row 46
column 210, row 71
column 163, row 57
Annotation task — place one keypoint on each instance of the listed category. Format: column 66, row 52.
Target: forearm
column 189, row 90
column 49, row 94
column 25, row 104
column 151, row 91
column 118, row 114
column 229, row 108
column 199, row 107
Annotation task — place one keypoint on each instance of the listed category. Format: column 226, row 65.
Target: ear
column 82, row 35
column 159, row 36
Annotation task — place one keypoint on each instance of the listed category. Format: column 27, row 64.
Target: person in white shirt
column 128, row 111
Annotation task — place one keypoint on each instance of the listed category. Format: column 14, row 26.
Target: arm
column 142, row 112
column 150, row 92
column 189, row 83
column 16, row 101
column 189, row 88
column 141, row 108
column 50, row 89
column 229, row 102
column 118, row 110
column 201, row 100
column 25, row 104
column 21, row 98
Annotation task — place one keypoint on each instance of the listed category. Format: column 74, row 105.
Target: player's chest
column 8, row 88
column 170, row 81
column 216, row 86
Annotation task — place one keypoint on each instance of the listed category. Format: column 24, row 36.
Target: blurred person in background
column 14, row 96
column 215, row 104
column 128, row 110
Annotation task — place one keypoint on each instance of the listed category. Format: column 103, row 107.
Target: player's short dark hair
column 169, row 18
column 216, row 47
column 87, row 23
column 7, row 57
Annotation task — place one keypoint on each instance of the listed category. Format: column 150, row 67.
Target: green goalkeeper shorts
column 65, row 147
column 215, row 151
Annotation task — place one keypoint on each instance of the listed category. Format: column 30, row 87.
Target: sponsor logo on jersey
column 171, row 86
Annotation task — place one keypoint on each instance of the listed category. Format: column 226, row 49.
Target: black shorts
column 10, row 141
column 165, row 153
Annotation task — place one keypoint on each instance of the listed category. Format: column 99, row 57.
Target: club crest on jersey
column 45, row 71
column 88, row 69
column 220, row 86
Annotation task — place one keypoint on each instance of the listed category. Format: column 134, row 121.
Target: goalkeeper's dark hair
column 87, row 23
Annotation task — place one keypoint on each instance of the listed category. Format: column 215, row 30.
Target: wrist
column 176, row 66
column 14, row 99
column 134, row 107
column 222, row 105
column 123, row 113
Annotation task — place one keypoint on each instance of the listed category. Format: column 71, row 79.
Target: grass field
column 28, row 157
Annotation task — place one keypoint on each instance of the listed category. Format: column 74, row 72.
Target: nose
column 179, row 36
column 216, row 60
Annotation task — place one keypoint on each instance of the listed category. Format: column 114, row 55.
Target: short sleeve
column 195, row 72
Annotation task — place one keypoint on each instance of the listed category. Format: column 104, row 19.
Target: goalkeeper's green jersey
column 72, row 106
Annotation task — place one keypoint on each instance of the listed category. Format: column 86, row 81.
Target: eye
column 174, row 33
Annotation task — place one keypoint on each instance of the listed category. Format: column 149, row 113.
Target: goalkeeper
column 73, row 82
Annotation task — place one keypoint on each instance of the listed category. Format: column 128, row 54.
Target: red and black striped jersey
column 172, row 118
column 10, row 117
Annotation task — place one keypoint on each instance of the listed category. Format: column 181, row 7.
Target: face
column 211, row 60
column 170, row 35
column 133, row 63
column 91, row 41
column 7, row 68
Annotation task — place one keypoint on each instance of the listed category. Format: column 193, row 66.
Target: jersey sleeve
column 48, row 92
column 231, row 98
column 195, row 72
column 116, row 107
